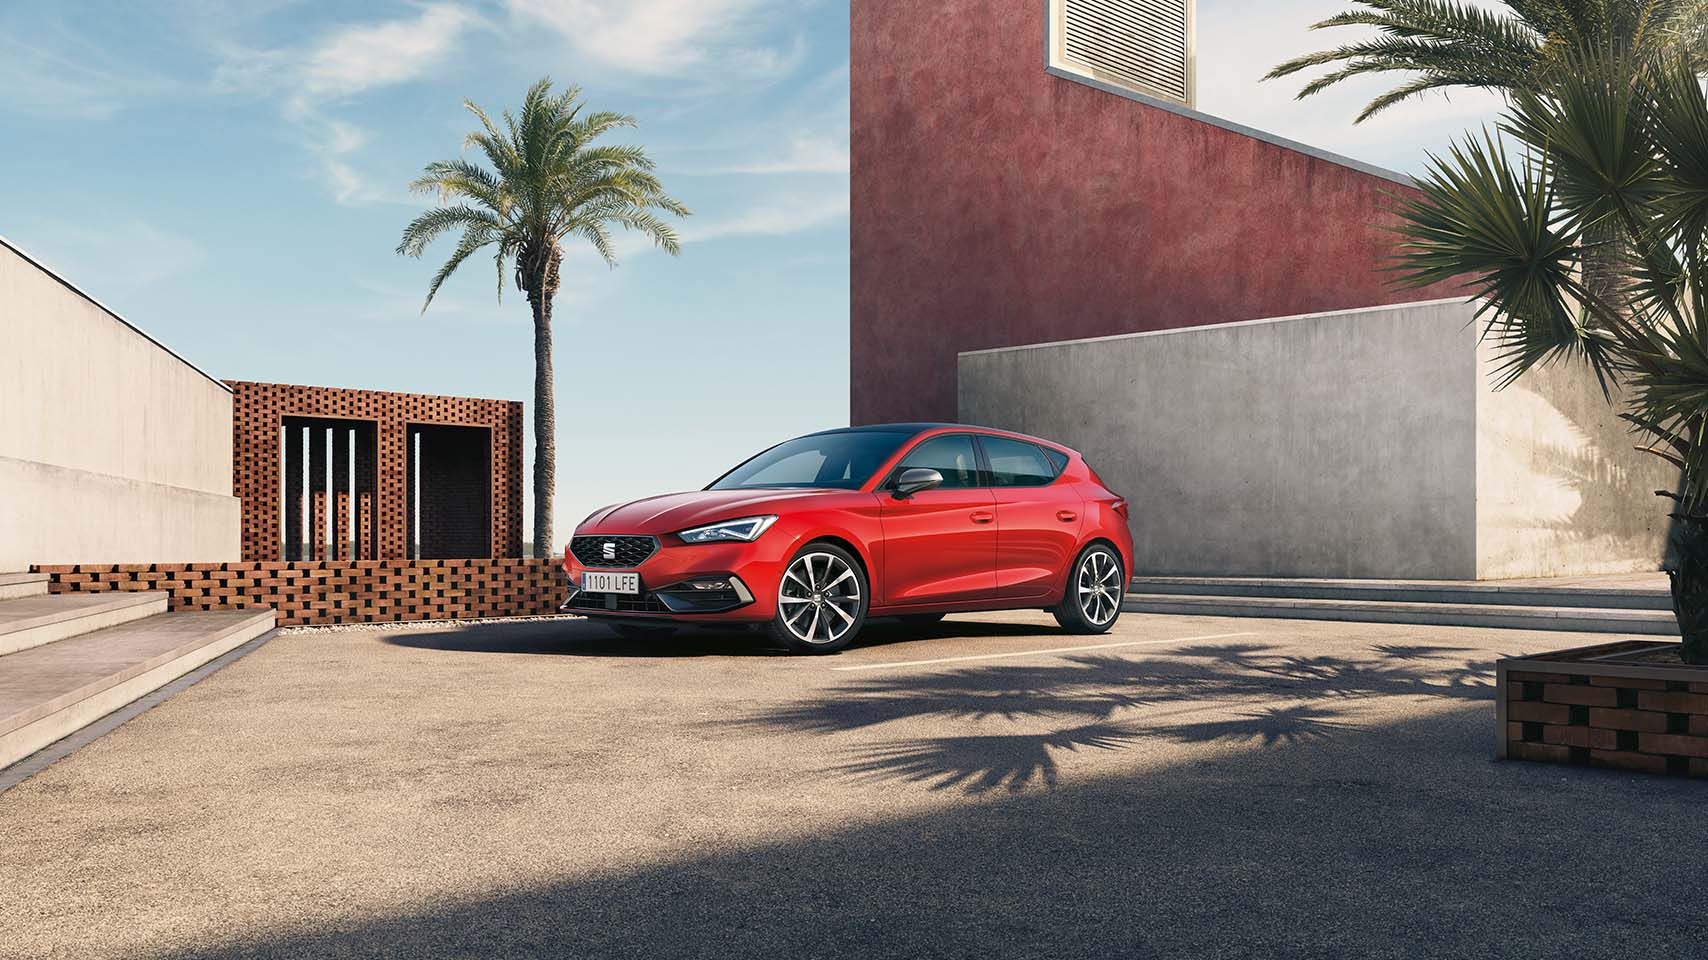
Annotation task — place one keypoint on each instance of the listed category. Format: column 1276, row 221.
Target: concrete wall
column 996, row 204
column 1561, row 489
column 1363, row 443
column 112, row 449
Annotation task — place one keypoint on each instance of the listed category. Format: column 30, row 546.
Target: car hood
column 679, row 511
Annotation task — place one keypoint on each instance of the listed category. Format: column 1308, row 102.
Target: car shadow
column 574, row 637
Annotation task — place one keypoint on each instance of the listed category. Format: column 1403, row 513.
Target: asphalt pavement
column 992, row 787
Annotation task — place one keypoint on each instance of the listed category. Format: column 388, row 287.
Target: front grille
column 630, row 551
column 617, row 603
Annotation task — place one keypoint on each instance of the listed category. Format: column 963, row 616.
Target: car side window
column 1016, row 463
column 951, row 455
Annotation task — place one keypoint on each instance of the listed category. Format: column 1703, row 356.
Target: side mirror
column 914, row 479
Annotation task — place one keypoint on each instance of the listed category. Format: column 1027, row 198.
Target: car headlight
column 745, row 530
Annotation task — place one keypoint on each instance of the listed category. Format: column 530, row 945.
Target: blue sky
column 232, row 178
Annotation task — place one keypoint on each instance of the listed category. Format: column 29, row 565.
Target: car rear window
column 1016, row 463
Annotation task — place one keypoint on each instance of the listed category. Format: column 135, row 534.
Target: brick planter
column 336, row 591
column 1619, row 705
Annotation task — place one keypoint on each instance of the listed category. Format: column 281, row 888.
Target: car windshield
column 841, row 461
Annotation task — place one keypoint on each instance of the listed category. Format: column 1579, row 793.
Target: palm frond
column 544, row 181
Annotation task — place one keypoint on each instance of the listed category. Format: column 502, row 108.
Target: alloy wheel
column 1099, row 586
column 819, row 598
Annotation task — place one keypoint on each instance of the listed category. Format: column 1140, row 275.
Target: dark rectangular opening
column 449, row 509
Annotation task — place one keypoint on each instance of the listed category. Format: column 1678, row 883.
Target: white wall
column 1359, row 443
column 112, row 449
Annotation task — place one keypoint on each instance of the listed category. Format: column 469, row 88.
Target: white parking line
column 1040, row 653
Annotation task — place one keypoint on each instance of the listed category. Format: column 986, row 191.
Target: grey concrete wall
column 1561, row 491
column 1363, row 443
column 112, row 449
column 1328, row 445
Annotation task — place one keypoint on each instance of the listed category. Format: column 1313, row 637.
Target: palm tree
column 1617, row 141
column 1446, row 44
column 548, row 183
column 1454, row 43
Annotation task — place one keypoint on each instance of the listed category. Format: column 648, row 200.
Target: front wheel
column 1094, row 590
column 821, row 602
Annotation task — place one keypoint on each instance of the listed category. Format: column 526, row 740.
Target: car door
column 940, row 544
column 1038, row 520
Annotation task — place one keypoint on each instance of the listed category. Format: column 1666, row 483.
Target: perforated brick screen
column 330, row 592
column 377, row 506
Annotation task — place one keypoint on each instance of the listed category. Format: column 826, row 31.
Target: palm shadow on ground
column 1095, row 703
column 1393, row 840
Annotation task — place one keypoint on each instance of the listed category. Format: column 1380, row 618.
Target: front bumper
column 674, row 583
column 701, row 595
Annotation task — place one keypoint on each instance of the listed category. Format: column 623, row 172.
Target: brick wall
column 329, row 592
column 259, row 411
column 1602, row 715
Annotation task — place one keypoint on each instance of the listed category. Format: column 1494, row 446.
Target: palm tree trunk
column 1604, row 257
column 545, row 425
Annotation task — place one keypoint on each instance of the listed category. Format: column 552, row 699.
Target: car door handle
column 983, row 516
column 1066, row 516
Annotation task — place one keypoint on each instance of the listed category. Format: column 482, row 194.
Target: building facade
column 1047, row 237
column 1001, row 196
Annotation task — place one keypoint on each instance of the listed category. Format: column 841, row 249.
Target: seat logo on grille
column 610, row 551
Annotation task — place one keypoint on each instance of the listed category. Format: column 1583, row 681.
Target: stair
column 14, row 585
column 32, row 621
column 1527, row 605
column 70, row 659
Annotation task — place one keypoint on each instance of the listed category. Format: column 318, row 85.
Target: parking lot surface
column 1182, row 787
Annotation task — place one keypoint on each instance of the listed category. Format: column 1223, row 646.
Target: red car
column 814, row 535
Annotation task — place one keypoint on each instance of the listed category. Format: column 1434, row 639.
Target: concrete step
column 32, row 621
column 49, row 692
column 15, row 585
column 1528, row 594
column 1502, row 615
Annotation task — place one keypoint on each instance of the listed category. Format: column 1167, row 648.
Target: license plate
column 610, row 582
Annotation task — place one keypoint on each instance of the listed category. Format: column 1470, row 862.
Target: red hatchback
column 814, row 535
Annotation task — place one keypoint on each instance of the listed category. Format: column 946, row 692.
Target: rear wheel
column 821, row 602
column 1096, row 584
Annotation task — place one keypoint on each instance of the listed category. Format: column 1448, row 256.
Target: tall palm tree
column 548, row 183
column 1455, row 43
column 1618, row 141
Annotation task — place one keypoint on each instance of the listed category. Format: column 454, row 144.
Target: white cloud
column 806, row 153
column 666, row 37
column 367, row 56
column 78, row 79
column 1238, row 44
column 311, row 81
column 777, row 216
column 117, row 258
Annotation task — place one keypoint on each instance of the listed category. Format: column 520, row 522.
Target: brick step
column 31, row 621
column 51, row 691
column 15, row 585
column 1478, row 592
column 1502, row 615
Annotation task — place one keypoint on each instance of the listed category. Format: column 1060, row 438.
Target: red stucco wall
column 994, row 205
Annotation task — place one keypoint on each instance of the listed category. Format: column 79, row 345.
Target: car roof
column 914, row 429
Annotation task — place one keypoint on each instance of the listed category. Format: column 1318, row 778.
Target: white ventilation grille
column 1145, row 45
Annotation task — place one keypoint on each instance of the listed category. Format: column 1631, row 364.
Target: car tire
column 822, row 600
column 1091, row 603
